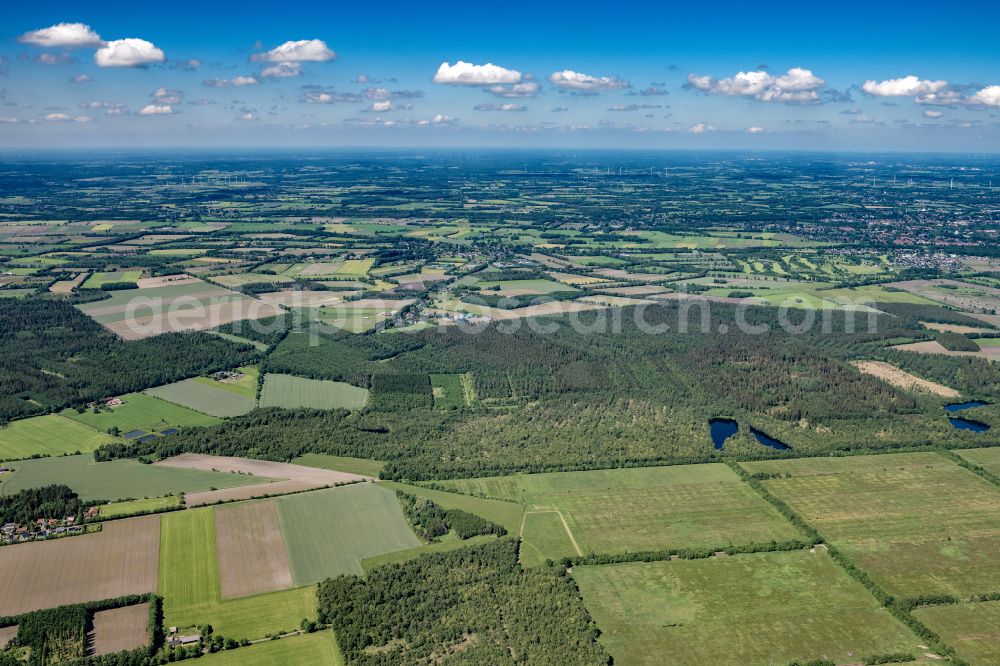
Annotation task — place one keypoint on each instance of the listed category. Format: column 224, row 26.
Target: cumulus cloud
column 796, row 86
column 156, row 110
column 235, row 82
column 167, row 96
column 281, row 70
column 755, row 130
column 385, row 93
column 567, row 79
column 380, row 106
column 65, row 35
column 500, row 107
column 247, row 116
column 526, row 89
column 439, row 119
column 81, row 78
column 129, row 52
column 10, row 120
column 908, row 86
column 701, row 128
column 110, row 108
column 302, row 50
column 932, row 114
column 65, row 118
column 988, row 96
column 53, row 58
column 466, row 74
column 320, row 96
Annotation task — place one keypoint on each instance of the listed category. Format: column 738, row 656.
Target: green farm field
column 639, row 509
column 744, row 610
column 188, row 577
column 140, row 412
column 292, row 392
column 205, row 397
column 98, row 280
column 130, row 507
column 49, row 435
column 115, row 480
column 341, row 464
column 970, row 628
column 501, row 512
column 329, row 532
column 304, row 650
column 988, row 458
column 917, row 522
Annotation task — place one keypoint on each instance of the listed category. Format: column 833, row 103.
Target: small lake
column 767, row 440
column 968, row 424
column 962, row 406
column 722, row 429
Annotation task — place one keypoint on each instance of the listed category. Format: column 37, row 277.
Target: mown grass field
column 341, row 464
column 98, row 280
column 49, row 435
column 768, row 608
column 255, row 617
column 140, row 412
column 329, row 532
column 304, row 650
column 987, row 458
column 130, row 507
column 501, row 512
column 189, row 570
column 917, row 522
column 205, row 397
column 292, row 392
column 652, row 508
column 115, row 480
column 970, row 628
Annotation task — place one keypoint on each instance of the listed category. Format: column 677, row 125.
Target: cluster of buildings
column 41, row 529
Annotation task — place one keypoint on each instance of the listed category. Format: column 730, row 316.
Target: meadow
column 304, row 650
column 205, row 397
column 291, row 392
column 115, row 480
column 329, row 532
column 130, row 507
column 49, row 435
column 988, row 458
column 140, row 412
column 765, row 608
column 971, row 628
column 917, row 522
column 631, row 510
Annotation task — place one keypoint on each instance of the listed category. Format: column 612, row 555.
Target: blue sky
column 898, row 76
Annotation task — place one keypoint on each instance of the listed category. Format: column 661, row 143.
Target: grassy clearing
column 189, row 570
column 970, row 628
column 614, row 511
column 329, row 532
column 128, row 508
column 304, row 650
column 292, row 392
column 98, row 280
column 988, row 458
column 767, row 608
column 544, row 537
column 448, row 391
column 245, row 386
column 115, row 480
column 140, row 412
column 49, row 435
column 500, row 512
column 257, row 616
column 205, row 397
column 918, row 523
column 341, row 464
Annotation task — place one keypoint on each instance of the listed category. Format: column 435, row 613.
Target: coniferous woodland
column 482, row 609
column 55, row 501
column 54, row 355
column 430, row 521
column 562, row 398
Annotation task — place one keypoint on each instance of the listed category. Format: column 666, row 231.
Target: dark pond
column 767, row 440
column 968, row 424
column 722, row 429
column 961, row 406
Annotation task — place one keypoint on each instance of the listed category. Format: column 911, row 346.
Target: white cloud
column 755, row 130
column 570, row 80
column 52, row 58
column 110, row 108
column 248, row 116
column 329, row 97
column 701, row 128
column 380, row 106
column 156, row 110
column 281, row 70
column 81, row 78
column 167, row 96
column 467, row 74
column 66, row 35
column 526, row 89
column 10, row 120
column 500, row 107
column 65, row 117
column 442, row 119
column 303, row 50
column 128, row 52
column 932, row 114
column 988, row 96
column 908, row 86
column 235, row 82
column 943, row 98
column 797, row 85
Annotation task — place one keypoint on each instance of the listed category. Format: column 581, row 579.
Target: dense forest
column 55, row 501
column 430, row 521
column 53, row 356
column 482, row 608
column 569, row 399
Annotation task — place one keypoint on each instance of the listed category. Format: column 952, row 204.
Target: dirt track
column 292, row 478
